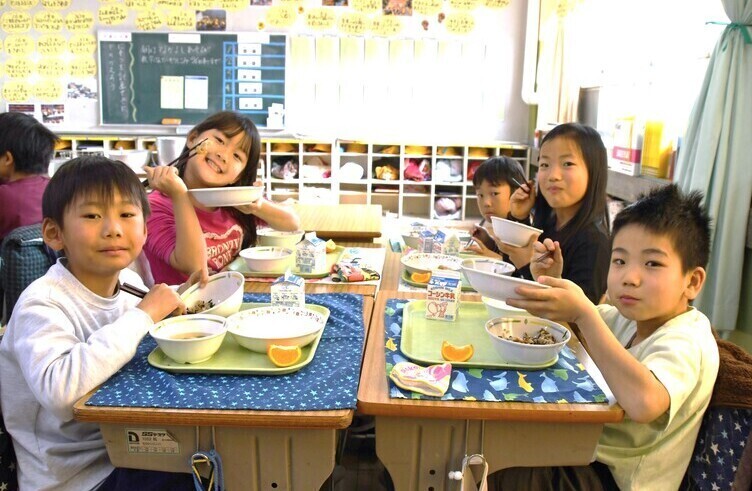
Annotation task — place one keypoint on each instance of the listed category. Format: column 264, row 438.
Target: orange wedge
column 420, row 277
column 330, row 246
column 284, row 356
column 451, row 352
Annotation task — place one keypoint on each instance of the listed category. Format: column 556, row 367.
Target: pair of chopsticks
column 133, row 290
column 543, row 256
column 184, row 156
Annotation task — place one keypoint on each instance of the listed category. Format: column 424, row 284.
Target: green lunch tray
column 231, row 358
column 406, row 278
column 422, row 338
column 240, row 266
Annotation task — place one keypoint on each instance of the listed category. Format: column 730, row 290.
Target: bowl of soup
column 190, row 338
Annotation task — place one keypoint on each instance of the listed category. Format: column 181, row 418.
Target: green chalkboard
column 148, row 76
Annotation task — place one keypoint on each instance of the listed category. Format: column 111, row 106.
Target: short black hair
column 680, row 216
column 91, row 175
column 30, row 142
column 498, row 171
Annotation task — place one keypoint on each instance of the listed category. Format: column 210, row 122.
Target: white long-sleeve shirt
column 62, row 341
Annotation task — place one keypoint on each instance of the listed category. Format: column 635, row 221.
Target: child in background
column 26, row 147
column 73, row 328
column 185, row 236
column 656, row 352
column 494, row 182
column 570, row 208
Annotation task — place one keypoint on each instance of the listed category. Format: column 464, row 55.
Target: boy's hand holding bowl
column 564, row 301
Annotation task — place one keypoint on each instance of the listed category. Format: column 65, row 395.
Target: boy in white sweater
column 73, row 328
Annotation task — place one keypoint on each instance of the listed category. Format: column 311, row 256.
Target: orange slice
column 451, row 352
column 420, row 277
column 284, row 356
column 330, row 246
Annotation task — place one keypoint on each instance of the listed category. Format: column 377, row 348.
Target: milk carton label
column 446, row 242
column 426, row 241
column 288, row 290
column 442, row 301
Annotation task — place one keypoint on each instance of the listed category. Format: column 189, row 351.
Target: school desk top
column 345, row 222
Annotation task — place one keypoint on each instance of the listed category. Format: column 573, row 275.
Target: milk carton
column 288, row 290
column 442, row 301
column 310, row 254
column 426, row 241
column 446, row 241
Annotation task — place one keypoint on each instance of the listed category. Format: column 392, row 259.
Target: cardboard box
column 622, row 167
column 627, row 141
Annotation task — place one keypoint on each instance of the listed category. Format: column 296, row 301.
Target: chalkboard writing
column 148, row 76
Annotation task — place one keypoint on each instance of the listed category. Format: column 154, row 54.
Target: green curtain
column 716, row 158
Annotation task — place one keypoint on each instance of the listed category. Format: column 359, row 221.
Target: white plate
column 424, row 262
column 230, row 196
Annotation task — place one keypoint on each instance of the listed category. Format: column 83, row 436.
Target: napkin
column 431, row 381
column 351, row 272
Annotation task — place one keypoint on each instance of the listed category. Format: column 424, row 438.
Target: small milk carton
column 416, row 228
column 310, row 254
column 443, row 299
column 426, row 241
column 446, row 241
column 288, row 290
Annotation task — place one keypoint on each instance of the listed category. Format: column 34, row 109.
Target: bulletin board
column 145, row 77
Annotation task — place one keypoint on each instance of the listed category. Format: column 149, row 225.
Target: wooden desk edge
column 373, row 393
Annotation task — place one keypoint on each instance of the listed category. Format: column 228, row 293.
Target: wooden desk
column 346, row 222
column 390, row 279
column 420, row 441
column 271, row 449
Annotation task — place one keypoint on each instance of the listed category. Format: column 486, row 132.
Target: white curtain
column 715, row 158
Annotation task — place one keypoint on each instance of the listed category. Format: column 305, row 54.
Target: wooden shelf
column 629, row 188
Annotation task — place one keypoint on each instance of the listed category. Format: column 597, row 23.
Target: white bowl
column 257, row 329
column 527, row 354
column 190, row 338
column 499, row 308
column 424, row 262
column 169, row 148
column 267, row 258
column 514, row 233
column 490, row 278
column 225, row 290
column 229, row 196
column 135, row 159
column 277, row 238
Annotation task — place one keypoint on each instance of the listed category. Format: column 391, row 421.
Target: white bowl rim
column 474, row 260
column 154, row 330
column 246, row 253
column 490, row 301
column 566, row 334
column 232, row 321
column 215, row 277
column 523, row 225
column 270, row 232
column 450, row 259
column 226, row 189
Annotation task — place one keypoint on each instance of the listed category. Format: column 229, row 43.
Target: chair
column 8, row 468
column 24, row 258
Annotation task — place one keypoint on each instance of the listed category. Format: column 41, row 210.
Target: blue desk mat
column 329, row 382
column 564, row 382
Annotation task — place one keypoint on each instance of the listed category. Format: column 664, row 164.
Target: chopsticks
column 184, row 156
column 133, row 290
column 543, row 256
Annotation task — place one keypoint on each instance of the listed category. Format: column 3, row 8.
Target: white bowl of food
column 257, row 329
column 267, row 258
column 527, row 340
column 499, row 308
column 229, row 196
column 222, row 295
column 490, row 278
column 424, row 262
column 278, row 238
column 190, row 338
column 514, row 233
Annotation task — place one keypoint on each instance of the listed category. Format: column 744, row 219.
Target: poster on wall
column 398, row 7
column 211, row 20
column 28, row 109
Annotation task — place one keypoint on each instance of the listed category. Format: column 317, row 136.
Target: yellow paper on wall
column 149, row 20
column 23, row 4
column 386, row 25
column 19, row 68
column 459, row 23
column 464, row 4
column 83, row 67
column 16, row 91
column 82, row 44
column 79, row 21
column 51, row 67
column 48, row 22
column 48, row 90
column 19, row 45
column 51, row 44
column 233, row 5
column 170, row 4
column 496, row 4
column 181, row 20
column 281, row 15
column 200, row 4
column 351, row 52
column 366, row 6
column 320, row 18
column 427, row 7
column 112, row 15
column 352, row 23
column 56, row 4
column 139, row 4
column 15, row 22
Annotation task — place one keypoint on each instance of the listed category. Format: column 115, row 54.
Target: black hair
column 594, row 206
column 231, row 123
column 91, row 175
column 681, row 217
column 30, row 142
column 498, row 171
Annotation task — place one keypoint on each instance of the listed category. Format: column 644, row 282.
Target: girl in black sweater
column 570, row 207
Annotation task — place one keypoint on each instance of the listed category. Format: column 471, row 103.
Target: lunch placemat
column 329, row 382
column 239, row 265
column 565, row 381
